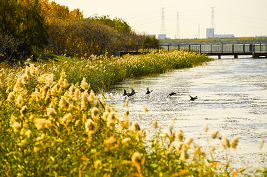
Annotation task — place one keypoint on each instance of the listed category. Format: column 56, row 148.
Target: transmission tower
column 177, row 34
column 212, row 24
column 162, row 26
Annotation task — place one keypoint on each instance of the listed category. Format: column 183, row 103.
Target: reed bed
column 103, row 71
column 52, row 123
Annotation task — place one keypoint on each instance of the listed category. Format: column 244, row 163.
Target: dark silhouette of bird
column 124, row 92
column 132, row 93
column 128, row 94
column 172, row 93
column 193, row 98
column 148, row 91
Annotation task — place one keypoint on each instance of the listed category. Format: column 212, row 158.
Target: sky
column 182, row 18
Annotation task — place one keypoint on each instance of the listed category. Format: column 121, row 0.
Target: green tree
column 22, row 21
column 150, row 42
column 117, row 24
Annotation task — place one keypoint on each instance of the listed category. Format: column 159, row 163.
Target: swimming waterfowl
column 148, row 91
column 124, row 92
column 172, row 93
column 193, row 98
column 133, row 92
column 128, row 94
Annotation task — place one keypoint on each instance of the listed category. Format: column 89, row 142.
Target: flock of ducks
column 125, row 93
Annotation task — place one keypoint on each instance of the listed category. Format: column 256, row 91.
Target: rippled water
column 232, row 98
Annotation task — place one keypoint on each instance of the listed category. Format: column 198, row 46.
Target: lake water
column 232, row 98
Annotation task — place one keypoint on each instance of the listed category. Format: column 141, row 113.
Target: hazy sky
column 243, row 18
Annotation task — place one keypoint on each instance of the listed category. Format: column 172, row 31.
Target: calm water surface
column 232, row 98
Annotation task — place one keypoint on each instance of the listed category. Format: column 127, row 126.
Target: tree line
column 236, row 40
column 31, row 27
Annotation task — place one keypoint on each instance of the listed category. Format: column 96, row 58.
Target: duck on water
column 172, row 93
column 192, row 98
column 148, row 91
column 128, row 94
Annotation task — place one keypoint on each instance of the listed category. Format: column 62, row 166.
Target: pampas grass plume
column 77, row 94
column 11, row 96
column 16, row 126
column 89, row 125
column 225, row 142
column 23, row 110
column 180, row 135
column 214, row 134
column 155, row 123
column 91, row 96
column 67, row 118
column 184, row 154
column 234, row 142
column 51, row 112
column 63, row 103
column 95, row 112
column 41, row 123
column 261, row 143
column 136, row 157
column 136, row 126
column 206, row 128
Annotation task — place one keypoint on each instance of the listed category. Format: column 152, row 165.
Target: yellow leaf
column 143, row 160
column 235, row 173
column 180, row 173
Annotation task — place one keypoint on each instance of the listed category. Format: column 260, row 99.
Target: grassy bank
column 52, row 124
column 103, row 71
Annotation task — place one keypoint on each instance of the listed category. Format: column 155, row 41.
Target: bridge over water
column 255, row 50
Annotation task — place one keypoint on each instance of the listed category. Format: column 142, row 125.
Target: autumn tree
column 81, row 38
column 51, row 12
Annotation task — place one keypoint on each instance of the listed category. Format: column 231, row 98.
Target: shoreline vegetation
column 103, row 71
column 53, row 122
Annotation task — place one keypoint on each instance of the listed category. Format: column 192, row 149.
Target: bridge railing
column 226, row 48
column 204, row 48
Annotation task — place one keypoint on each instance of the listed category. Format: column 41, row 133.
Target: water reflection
column 232, row 98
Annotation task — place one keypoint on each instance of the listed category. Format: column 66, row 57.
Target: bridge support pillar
column 235, row 56
column 219, row 56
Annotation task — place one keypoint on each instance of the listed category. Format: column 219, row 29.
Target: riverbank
column 103, row 71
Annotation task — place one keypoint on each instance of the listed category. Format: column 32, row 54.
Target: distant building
column 210, row 34
column 162, row 36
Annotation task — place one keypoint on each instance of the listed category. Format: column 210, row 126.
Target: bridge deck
column 256, row 50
